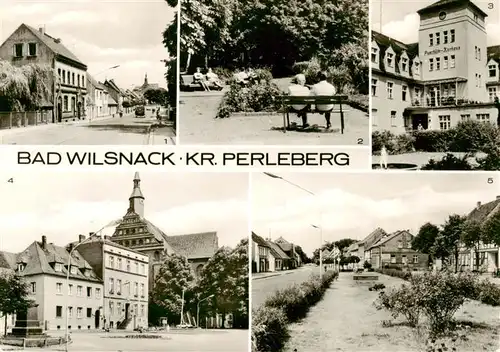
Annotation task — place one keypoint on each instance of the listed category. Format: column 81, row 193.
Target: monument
column 27, row 323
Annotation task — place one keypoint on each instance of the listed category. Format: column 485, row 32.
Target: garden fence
column 16, row 119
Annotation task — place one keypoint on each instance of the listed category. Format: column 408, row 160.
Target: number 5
column 490, row 180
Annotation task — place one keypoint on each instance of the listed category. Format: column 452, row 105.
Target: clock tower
column 136, row 200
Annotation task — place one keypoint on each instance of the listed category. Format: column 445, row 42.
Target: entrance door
column 127, row 308
column 97, row 318
column 59, row 112
column 420, row 119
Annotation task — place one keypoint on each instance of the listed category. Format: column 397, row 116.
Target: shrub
column 449, row 162
column 312, row 71
column 394, row 144
column 434, row 141
column 473, row 136
column 488, row 293
column 396, row 273
column 401, row 301
column 269, row 329
column 223, row 73
column 367, row 265
column 300, row 67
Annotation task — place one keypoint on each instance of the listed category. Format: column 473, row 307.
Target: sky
column 347, row 205
column 62, row 205
column 102, row 34
column 401, row 21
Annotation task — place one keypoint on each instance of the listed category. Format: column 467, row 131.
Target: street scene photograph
column 435, row 84
column 274, row 72
column 375, row 262
column 121, row 261
column 88, row 73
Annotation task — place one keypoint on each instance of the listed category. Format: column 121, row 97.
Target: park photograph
column 273, row 72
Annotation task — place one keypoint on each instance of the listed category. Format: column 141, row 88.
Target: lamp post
column 268, row 174
column 198, row 310
column 70, row 253
column 109, row 68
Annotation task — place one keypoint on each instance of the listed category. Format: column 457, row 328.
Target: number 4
column 10, row 180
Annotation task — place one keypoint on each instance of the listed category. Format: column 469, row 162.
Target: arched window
column 66, row 106
column 64, row 77
column 198, row 269
column 157, row 255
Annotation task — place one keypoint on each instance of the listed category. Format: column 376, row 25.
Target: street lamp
column 198, row 310
column 268, row 174
column 70, row 253
column 109, row 68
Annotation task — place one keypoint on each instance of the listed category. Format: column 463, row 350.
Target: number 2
column 360, row 140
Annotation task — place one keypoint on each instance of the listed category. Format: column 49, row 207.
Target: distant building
column 69, row 89
column 138, row 233
column 146, row 86
column 449, row 76
column 124, row 273
column 260, row 254
column 98, row 99
column 289, row 249
column 115, row 93
column 44, row 267
column 364, row 245
column 281, row 259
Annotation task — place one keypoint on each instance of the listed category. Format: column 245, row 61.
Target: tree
column 491, row 229
column 174, row 277
column 303, row 256
column 344, row 243
column 225, row 276
column 425, row 239
column 449, row 238
column 472, row 237
column 26, row 87
column 13, row 295
column 170, row 43
column 156, row 96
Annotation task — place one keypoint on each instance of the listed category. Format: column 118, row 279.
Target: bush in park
column 449, row 162
column 269, row 329
column 487, row 293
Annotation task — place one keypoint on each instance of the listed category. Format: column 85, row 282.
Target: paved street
column 197, row 125
column 127, row 130
column 262, row 287
column 178, row 341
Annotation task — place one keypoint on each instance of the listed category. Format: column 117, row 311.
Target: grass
column 346, row 320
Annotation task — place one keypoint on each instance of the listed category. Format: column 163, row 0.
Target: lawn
column 346, row 320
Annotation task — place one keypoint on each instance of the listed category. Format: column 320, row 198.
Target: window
column 417, row 94
column 58, row 267
column 142, row 310
column 120, row 263
column 431, row 64
column 417, row 68
column 390, row 59
column 136, row 289
column 479, row 54
column 431, row 39
column 58, row 311
column 465, row 117
column 70, row 312
column 70, row 289
column 390, row 86
column 79, row 312
column 452, row 36
column 438, row 38
column 79, row 291
column 73, row 270
column 445, row 62
column 475, row 52
column 393, row 118
column 33, row 287
column 119, row 307
column 374, row 87
column 78, row 81
column 111, row 308
column 32, row 49
column 136, row 267
column 404, row 64
column 476, row 18
column 128, row 265
column 89, row 312
column 492, row 92
column 142, row 290
column 393, row 259
column 438, row 63
column 111, row 285
column 18, row 50
column 404, row 260
column 444, row 122
column 445, row 37
column 479, row 80
column 98, row 293
column 452, row 61
column 59, row 287
column 374, row 55
column 118, row 287
column 143, row 269
column 89, row 292
column 111, row 261
column 404, row 92
column 492, row 70
column 68, row 79
column 483, row 117
column 415, row 259
column 73, row 79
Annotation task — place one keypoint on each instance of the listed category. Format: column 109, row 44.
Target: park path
column 346, row 320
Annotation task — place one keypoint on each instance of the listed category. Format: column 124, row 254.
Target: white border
column 250, row 247
column 178, row 73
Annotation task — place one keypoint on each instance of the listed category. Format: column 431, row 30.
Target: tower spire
column 136, row 200
column 146, row 79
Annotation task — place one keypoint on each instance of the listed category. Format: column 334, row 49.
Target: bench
column 287, row 102
column 187, row 83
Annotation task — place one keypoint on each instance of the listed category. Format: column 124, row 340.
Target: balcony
column 444, row 102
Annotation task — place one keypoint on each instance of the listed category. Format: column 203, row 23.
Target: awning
column 444, row 81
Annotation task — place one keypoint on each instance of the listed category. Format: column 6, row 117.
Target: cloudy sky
column 100, row 33
column 62, row 205
column 353, row 205
column 401, row 21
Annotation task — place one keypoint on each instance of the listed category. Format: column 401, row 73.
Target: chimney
column 91, row 234
column 41, row 30
column 478, row 204
column 81, row 238
column 70, row 247
column 44, row 241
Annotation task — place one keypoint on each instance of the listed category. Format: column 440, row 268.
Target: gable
column 24, row 35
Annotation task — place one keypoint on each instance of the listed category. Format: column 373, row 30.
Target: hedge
column 270, row 321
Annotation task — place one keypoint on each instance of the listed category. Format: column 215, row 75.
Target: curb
column 267, row 276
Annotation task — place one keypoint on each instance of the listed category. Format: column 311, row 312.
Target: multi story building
column 98, row 99
column 124, row 273
column 69, row 89
column 115, row 93
column 449, row 76
column 44, row 267
column 260, row 254
column 138, row 233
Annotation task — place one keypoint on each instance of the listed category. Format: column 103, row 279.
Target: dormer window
column 86, row 272
column 404, row 64
column 73, row 270
column 374, row 55
column 58, row 267
column 492, row 70
column 390, row 59
column 21, row 267
column 416, row 68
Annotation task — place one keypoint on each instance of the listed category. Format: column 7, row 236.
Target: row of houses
column 393, row 250
column 110, row 277
column 75, row 93
column 270, row 256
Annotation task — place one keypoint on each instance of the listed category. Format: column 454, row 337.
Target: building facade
column 449, row 76
column 125, row 276
column 289, row 248
column 97, row 105
column 28, row 45
column 44, row 267
column 260, row 254
column 115, row 93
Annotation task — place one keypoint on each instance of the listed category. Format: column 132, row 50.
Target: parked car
column 140, row 111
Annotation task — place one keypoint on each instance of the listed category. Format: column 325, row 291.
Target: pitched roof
column 443, row 4
column 95, row 83
column 54, row 44
column 259, row 240
column 494, row 53
column 389, row 237
column 111, row 101
column 278, row 252
column 196, row 245
column 482, row 212
column 374, row 236
column 8, row 260
column 384, row 42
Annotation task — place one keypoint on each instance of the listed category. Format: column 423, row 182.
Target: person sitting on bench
column 298, row 88
column 200, row 79
column 323, row 88
column 213, row 79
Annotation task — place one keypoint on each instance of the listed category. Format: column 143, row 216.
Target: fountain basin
column 397, row 166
